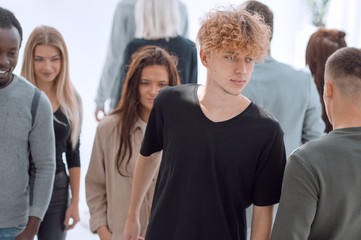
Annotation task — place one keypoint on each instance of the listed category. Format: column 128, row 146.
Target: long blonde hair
column 157, row 19
column 66, row 94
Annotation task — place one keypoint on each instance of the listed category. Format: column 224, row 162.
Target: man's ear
column 328, row 89
column 204, row 58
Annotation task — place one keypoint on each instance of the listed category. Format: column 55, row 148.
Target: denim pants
column 11, row 233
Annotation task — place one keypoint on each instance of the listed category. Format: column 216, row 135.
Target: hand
column 30, row 230
column 71, row 212
column 97, row 111
column 131, row 230
column 25, row 236
column 104, row 233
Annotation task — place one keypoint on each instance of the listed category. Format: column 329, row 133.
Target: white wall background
column 86, row 24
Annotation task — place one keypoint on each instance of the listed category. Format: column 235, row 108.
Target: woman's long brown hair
column 129, row 105
column 320, row 46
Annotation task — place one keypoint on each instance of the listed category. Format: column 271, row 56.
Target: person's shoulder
column 28, row 90
column 176, row 93
column 263, row 115
column 126, row 3
column 313, row 152
column 301, row 75
column 288, row 72
column 136, row 43
column 24, row 84
column 262, row 120
column 108, row 124
column 185, row 41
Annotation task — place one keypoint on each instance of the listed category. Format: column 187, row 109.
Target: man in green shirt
column 321, row 188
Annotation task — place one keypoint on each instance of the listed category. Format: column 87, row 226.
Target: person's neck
column 143, row 114
column 217, row 98
column 7, row 83
column 218, row 105
column 48, row 88
column 346, row 117
column 214, row 96
column 50, row 91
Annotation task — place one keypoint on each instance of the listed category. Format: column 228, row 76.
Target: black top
column 184, row 49
column 210, row 171
column 63, row 143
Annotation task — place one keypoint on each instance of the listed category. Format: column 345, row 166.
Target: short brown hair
column 234, row 31
column 263, row 10
column 344, row 67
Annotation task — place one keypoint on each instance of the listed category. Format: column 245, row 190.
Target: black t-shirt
column 210, row 171
column 63, row 144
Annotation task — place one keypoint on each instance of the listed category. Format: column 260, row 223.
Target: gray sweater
column 321, row 190
column 16, row 132
column 291, row 97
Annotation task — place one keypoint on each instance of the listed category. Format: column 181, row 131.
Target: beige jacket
column 107, row 192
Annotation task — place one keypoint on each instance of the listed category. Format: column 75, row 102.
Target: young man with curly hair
column 221, row 152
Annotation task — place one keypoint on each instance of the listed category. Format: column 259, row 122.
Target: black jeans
column 52, row 226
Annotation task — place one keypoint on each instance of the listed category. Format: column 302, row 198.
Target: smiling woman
column 109, row 177
column 45, row 64
column 153, row 79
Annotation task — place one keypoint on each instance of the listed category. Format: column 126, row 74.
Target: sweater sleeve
column 128, row 51
column 298, row 202
column 42, row 147
column 194, row 66
column 313, row 125
column 117, row 43
column 95, row 186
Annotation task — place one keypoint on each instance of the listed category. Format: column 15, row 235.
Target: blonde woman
column 46, row 65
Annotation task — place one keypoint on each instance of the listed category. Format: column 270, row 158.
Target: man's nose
column 4, row 60
column 241, row 68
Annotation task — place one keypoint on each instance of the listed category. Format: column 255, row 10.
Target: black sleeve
column 72, row 155
column 153, row 137
column 269, row 172
column 194, row 66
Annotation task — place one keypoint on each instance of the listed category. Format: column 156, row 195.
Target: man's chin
column 6, row 80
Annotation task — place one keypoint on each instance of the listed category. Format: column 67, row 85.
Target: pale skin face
column 47, row 64
column 229, row 73
column 9, row 52
column 153, row 78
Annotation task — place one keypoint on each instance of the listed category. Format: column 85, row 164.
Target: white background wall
column 86, row 24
